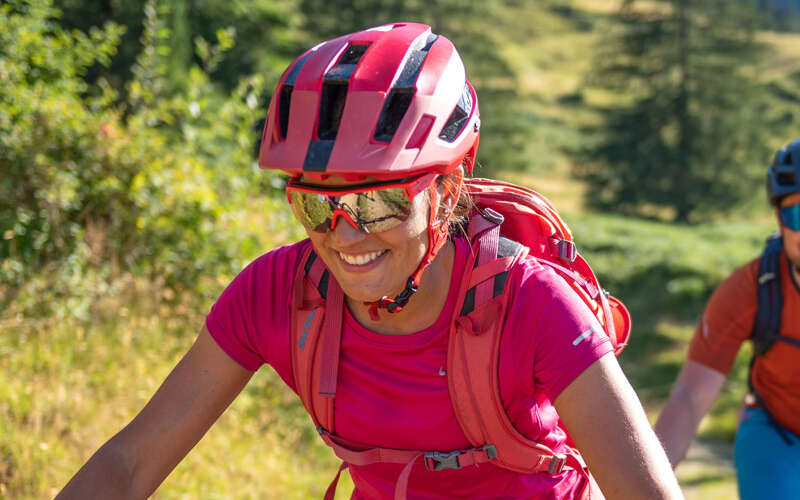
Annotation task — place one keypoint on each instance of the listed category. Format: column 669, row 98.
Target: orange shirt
column 728, row 321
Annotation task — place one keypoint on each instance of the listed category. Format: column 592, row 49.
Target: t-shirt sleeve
column 727, row 320
column 567, row 337
column 250, row 320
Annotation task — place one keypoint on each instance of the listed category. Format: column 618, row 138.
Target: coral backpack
column 510, row 223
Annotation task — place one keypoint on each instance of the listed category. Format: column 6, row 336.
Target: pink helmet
column 386, row 102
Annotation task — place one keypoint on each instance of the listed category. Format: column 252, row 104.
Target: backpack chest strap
column 433, row 460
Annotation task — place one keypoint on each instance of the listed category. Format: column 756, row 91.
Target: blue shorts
column 766, row 465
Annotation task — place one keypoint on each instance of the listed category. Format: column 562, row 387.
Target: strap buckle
column 436, row 460
column 557, row 464
column 567, row 251
column 492, row 216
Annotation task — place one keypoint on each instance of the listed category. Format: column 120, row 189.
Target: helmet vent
column 346, row 64
column 334, row 91
column 285, row 95
column 393, row 112
column 284, row 101
column 786, row 179
column 353, row 53
column 787, row 160
column 458, row 118
column 331, row 106
column 416, row 56
column 402, row 92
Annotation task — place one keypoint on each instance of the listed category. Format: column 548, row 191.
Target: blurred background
column 130, row 196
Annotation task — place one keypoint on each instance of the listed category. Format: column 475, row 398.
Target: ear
column 451, row 189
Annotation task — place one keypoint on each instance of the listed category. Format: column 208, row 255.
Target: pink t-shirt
column 392, row 390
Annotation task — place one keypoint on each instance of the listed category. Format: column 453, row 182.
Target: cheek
column 410, row 239
column 417, row 224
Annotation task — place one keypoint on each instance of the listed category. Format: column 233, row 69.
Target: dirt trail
column 707, row 472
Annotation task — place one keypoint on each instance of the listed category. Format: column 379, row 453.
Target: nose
column 340, row 214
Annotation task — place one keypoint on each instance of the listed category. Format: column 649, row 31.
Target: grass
column 67, row 386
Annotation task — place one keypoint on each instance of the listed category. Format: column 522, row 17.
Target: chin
column 360, row 294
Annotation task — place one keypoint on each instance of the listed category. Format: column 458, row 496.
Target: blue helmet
column 783, row 177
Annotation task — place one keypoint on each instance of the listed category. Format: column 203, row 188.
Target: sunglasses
column 370, row 208
column 790, row 216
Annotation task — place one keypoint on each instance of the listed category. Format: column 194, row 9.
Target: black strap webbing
column 767, row 325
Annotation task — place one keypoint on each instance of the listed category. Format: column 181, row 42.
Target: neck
column 423, row 307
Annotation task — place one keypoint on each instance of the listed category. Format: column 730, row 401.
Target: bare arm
column 610, row 428
column 692, row 396
column 136, row 460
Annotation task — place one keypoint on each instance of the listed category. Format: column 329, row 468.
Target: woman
column 376, row 129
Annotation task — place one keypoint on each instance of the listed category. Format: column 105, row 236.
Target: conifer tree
column 687, row 134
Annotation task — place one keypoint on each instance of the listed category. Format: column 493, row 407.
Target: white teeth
column 360, row 259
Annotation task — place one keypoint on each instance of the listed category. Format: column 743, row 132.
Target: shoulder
column 727, row 320
column 550, row 327
column 537, row 280
column 250, row 319
column 545, row 299
column 738, row 291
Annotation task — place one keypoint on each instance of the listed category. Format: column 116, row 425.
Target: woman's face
column 791, row 239
column 370, row 265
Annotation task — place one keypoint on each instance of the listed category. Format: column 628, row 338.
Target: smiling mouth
column 361, row 259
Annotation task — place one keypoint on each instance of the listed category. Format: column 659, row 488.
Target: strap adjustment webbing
column 433, row 460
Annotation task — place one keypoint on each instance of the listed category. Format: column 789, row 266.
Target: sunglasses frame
column 792, row 211
column 412, row 186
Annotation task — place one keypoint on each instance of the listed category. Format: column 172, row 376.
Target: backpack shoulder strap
column 473, row 358
column 767, row 324
column 317, row 309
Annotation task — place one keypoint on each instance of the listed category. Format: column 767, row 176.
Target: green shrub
column 94, row 186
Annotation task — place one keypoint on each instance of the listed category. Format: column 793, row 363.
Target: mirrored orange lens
column 370, row 211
